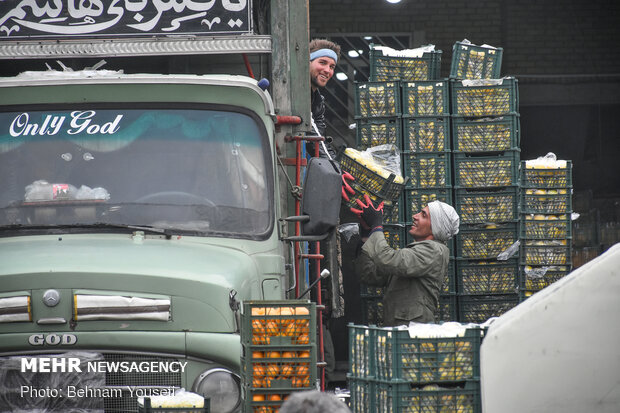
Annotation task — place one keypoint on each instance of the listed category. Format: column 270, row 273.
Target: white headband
column 324, row 53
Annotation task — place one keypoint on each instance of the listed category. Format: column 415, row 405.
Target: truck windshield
column 196, row 170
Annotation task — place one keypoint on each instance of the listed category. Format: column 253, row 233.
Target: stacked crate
column 392, row 372
column 427, row 163
column 278, row 352
column 401, row 104
column 545, row 230
column 485, row 142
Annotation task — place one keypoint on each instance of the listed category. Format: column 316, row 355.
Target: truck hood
column 194, row 276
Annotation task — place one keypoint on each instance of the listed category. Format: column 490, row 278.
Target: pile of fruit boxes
column 545, row 230
column 393, row 372
column 278, row 352
column 485, row 142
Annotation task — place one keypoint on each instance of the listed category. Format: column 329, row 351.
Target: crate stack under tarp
column 546, row 226
column 486, row 156
column 437, row 369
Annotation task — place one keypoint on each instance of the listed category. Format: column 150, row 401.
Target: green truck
column 137, row 211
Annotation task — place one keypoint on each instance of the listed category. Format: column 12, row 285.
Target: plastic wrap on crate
column 418, row 198
column 426, row 134
column 484, row 97
column 387, row 64
column 427, row 170
column 546, row 226
column 545, row 252
column 491, row 206
column 486, row 134
column 426, row 98
column 377, row 99
column 485, row 242
column 559, row 177
column 478, row 309
column 394, row 397
column 489, row 171
column 379, row 131
column 533, row 279
column 546, row 201
column 487, row 277
column 470, row 61
column 432, row 357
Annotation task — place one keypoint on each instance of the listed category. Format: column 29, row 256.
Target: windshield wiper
column 145, row 228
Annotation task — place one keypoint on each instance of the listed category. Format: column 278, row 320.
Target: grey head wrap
column 444, row 220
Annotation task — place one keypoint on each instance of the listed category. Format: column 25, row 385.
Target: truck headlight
column 222, row 387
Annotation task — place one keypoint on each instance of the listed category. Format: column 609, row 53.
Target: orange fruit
column 267, row 381
column 303, row 354
column 272, row 311
column 303, row 339
column 260, row 339
column 302, row 311
column 258, row 382
column 287, row 370
column 258, row 327
column 257, row 355
column 272, row 328
column 286, row 311
column 263, row 409
column 289, row 354
column 274, row 398
column 302, row 370
column 258, row 370
column 258, row 398
column 272, row 370
column 303, row 326
column 272, row 354
column 258, row 311
column 290, row 330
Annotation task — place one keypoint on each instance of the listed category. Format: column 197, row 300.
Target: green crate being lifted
column 387, row 64
column 470, row 61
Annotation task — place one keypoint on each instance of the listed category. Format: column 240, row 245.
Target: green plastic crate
column 478, row 309
column 393, row 211
column 491, row 97
column 362, row 394
column 372, row 311
column 263, row 326
column 545, row 226
column 426, row 98
column 470, row 61
column 427, row 170
column 545, row 252
column 395, row 235
column 369, row 181
column 561, row 178
column 361, row 351
column 379, row 131
column 487, row 171
column 426, row 360
column 486, row 134
column 394, row 397
column 477, row 207
column 487, row 277
column 546, row 201
column 534, row 279
column 408, row 69
column 377, row 99
column 448, row 308
column 482, row 242
column 417, row 199
column 371, row 291
column 426, row 134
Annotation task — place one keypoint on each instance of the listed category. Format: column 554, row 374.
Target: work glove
column 370, row 216
column 346, row 187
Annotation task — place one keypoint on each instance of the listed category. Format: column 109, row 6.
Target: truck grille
column 118, row 400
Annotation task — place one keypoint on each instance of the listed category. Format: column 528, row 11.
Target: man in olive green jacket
column 413, row 276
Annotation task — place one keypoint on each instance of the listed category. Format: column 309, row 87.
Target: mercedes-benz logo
column 51, row 298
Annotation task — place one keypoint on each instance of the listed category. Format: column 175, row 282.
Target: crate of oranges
column 278, row 352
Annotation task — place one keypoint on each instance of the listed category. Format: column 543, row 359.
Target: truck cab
column 136, row 211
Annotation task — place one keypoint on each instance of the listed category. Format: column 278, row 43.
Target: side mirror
column 321, row 196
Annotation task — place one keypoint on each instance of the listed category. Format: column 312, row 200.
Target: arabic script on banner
column 125, row 18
